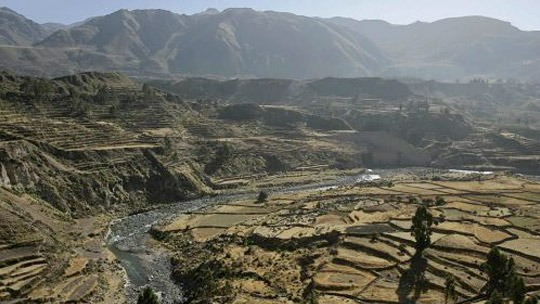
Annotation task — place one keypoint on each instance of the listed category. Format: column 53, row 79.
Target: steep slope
column 270, row 44
column 16, row 30
column 135, row 33
column 235, row 42
column 454, row 48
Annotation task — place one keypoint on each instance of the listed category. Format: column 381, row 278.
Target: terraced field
column 47, row 258
column 353, row 244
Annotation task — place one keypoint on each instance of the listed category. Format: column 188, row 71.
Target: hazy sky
column 524, row 14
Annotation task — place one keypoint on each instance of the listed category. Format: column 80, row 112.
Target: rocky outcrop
column 53, row 176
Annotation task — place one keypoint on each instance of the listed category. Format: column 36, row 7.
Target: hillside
column 17, row 30
column 254, row 44
column 453, row 48
column 235, row 42
column 78, row 151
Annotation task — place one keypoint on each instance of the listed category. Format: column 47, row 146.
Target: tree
column 450, row 289
column 495, row 298
column 531, row 300
column 263, row 196
column 421, row 228
column 502, row 276
column 148, row 296
column 517, row 290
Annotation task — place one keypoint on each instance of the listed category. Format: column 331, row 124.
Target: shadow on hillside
column 413, row 282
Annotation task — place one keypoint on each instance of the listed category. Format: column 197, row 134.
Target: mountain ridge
column 15, row 29
column 457, row 47
column 245, row 43
column 234, row 42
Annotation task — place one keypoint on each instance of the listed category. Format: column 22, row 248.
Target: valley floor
column 352, row 243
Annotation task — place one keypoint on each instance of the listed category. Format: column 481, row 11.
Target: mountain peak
column 5, row 9
column 211, row 11
column 236, row 10
column 15, row 29
column 476, row 21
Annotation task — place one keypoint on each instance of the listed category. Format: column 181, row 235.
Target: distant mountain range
column 248, row 43
column 454, row 48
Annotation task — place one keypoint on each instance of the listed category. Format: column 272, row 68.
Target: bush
column 402, row 249
column 531, row 300
column 204, row 281
column 263, row 197
column 148, row 296
column 439, row 201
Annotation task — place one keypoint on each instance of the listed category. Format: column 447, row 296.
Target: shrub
column 147, row 296
column 402, row 249
column 439, row 201
column 204, row 281
column 263, row 197
column 531, row 300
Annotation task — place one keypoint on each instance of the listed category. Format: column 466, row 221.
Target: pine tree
column 496, row 267
column 503, row 277
column 518, row 290
column 495, row 298
column 421, row 228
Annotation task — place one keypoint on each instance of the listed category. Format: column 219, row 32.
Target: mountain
column 235, row 42
column 270, row 44
column 245, row 43
column 16, row 30
column 454, row 47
